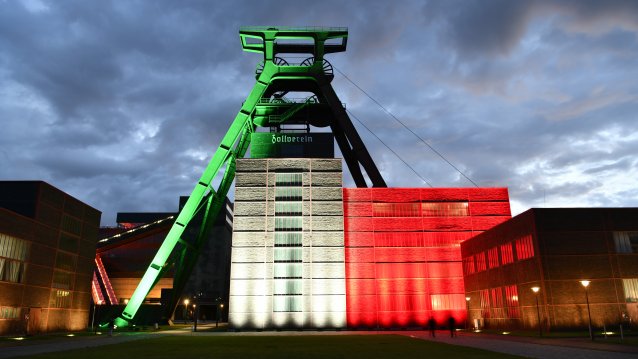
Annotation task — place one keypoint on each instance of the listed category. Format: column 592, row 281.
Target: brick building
column 47, row 247
column 554, row 249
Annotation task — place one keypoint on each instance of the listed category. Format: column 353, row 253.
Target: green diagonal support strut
column 275, row 78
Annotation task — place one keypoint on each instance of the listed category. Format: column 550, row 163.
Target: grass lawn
column 279, row 347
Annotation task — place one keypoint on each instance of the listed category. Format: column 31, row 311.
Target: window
column 468, row 265
column 485, row 303
column 9, row 313
column 71, row 225
column 511, row 302
column 631, row 290
column 524, row 247
column 288, row 270
column 507, row 255
column 288, row 224
column 445, row 209
column 288, row 193
column 65, row 261
column 62, row 280
column 287, row 303
column 498, row 310
column 396, row 210
column 288, row 179
column 288, row 239
column 60, row 298
column 447, row 301
column 287, row 287
column 398, row 239
column 288, row 255
column 480, row 262
column 288, row 208
column 626, row 242
column 13, row 253
column 492, row 257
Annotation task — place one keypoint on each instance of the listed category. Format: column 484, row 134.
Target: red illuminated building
column 402, row 251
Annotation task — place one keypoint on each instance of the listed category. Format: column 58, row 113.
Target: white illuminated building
column 287, row 265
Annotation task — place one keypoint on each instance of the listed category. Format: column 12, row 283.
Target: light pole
column 585, row 284
column 220, row 309
column 467, row 316
column 538, row 312
column 186, row 301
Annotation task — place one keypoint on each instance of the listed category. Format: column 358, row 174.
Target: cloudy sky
column 121, row 104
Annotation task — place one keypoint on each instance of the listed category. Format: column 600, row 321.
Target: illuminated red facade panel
column 403, row 256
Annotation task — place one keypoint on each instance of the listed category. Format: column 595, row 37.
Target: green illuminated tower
column 267, row 105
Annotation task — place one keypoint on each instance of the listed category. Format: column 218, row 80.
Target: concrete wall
column 260, row 298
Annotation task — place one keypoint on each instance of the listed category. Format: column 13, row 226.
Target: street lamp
column 186, row 301
column 538, row 312
column 467, row 316
column 220, row 309
column 585, row 284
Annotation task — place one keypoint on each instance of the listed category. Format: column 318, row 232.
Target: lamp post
column 467, row 316
column 585, row 284
column 538, row 312
column 186, row 301
column 220, row 309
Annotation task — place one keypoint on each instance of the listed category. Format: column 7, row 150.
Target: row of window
column 479, row 262
column 418, row 239
column 500, row 303
column 424, row 209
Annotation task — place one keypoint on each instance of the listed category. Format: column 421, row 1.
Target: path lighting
column 467, row 301
column 585, row 284
column 538, row 312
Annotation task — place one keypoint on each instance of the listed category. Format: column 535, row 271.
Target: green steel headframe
column 266, row 105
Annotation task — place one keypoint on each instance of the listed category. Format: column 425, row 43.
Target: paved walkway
column 521, row 346
column 554, row 348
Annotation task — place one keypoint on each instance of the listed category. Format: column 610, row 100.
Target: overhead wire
column 388, row 147
column 405, row 126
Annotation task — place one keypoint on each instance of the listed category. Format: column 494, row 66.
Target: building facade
column 402, row 251
column 287, row 267
column 47, row 247
column 308, row 253
column 554, row 249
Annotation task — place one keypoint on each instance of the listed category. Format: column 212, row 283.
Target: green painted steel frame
column 235, row 143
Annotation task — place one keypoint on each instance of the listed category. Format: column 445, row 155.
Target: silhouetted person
column 111, row 326
column 432, row 326
column 452, row 324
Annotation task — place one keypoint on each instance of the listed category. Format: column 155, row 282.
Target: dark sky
column 121, row 104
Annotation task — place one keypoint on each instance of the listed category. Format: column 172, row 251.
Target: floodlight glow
column 535, row 289
column 585, row 283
